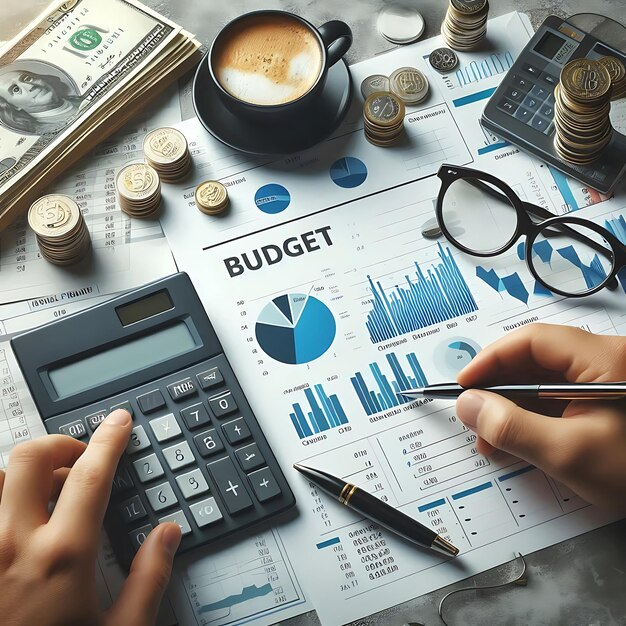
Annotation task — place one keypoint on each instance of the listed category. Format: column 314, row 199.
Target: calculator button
column 151, row 401
column 182, row 389
column 522, row 83
column 250, row 458
column 230, row 485
column 161, row 497
column 547, row 111
column 195, row 416
column 206, row 512
column 211, row 378
column 517, row 95
column 264, row 484
column 123, row 405
column 548, row 78
column 531, row 103
column 224, row 404
column 236, row 431
column 93, row 421
column 523, row 114
column 539, row 92
column 539, row 123
column 508, row 107
column 149, row 468
column 74, row 429
column 178, row 517
column 132, row 510
column 208, row 443
column 165, row 428
column 122, row 481
column 138, row 441
column 138, row 536
column 531, row 69
column 179, row 456
column 192, row 484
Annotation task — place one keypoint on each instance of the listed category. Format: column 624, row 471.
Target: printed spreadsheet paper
column 328, row 300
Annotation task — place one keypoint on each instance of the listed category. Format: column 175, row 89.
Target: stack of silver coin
column 167, row 152
column 138, row 190
column 409, row 84
column 465, row 24
column 61, row 231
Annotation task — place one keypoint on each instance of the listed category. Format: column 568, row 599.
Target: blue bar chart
column 511, row 284
column 388, row 387
column 429, row 297
column 325, row 413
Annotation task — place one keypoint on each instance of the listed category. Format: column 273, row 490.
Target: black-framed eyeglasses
column 482, row 216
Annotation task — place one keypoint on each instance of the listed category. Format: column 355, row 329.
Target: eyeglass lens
column 479, row 221
column 565, row 258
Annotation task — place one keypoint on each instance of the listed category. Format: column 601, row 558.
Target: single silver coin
column 443, row 59
column 374, row 83
column 400, row 24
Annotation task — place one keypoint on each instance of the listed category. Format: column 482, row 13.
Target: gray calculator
column 197, row 455
column 522, row 108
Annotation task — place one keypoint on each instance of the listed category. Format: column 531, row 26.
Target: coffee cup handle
column 337, row 37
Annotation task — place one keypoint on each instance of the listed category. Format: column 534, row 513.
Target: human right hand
column 586, row 449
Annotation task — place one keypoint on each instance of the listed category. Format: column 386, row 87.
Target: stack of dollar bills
column 71, row 78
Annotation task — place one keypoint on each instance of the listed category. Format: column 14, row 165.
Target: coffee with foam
column 267, row 59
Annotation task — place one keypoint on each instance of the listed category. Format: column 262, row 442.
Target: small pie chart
column 453, row 354
column 295, row 328
column 348, row 172
column 272, row 199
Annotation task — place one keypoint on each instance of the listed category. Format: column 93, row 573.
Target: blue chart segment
column 348, row 172
column 248, row 593
column 325, row 413
column 511, row 284
column 272, row 199
column 388, row 389
column 489, row 66
column 430, row 297
column 617, row 226
column 295, row 328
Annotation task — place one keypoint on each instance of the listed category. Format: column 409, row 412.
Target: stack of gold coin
column 167, row 152
column 409, row 84
column 211, row 197
column 618, row 76
column 581, row 111
column 465, row 24
column 61, row 231
column 383, row 113
column 138, row 190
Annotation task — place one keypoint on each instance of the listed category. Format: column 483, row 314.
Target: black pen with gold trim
column 378, row 511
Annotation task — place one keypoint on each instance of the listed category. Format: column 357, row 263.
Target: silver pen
column 548, row 391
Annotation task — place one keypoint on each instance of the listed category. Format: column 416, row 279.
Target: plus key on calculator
column 197, row 455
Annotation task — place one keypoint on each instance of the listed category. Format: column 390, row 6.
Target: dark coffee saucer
column 256, row 138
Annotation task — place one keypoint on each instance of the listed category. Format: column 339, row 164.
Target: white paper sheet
column 310, row 287
column 126, row 252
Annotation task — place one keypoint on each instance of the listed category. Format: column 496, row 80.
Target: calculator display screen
column 144, row 308
column 549, row 45
column 113, row 363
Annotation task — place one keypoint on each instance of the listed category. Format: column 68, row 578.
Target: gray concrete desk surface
column 581, row 582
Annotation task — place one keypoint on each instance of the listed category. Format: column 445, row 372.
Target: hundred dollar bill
column 70, row 79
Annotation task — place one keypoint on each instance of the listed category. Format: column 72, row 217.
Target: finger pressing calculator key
column 197, row 455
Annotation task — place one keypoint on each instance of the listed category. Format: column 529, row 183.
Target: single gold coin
column 137, row 181
column 164, row 146
column 54, row 216
column 586, row 79
column 409, row 84
column 615, row 66
column 211, row 197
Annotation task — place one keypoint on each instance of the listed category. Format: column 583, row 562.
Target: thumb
column 140, row 598
column 538, row 439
